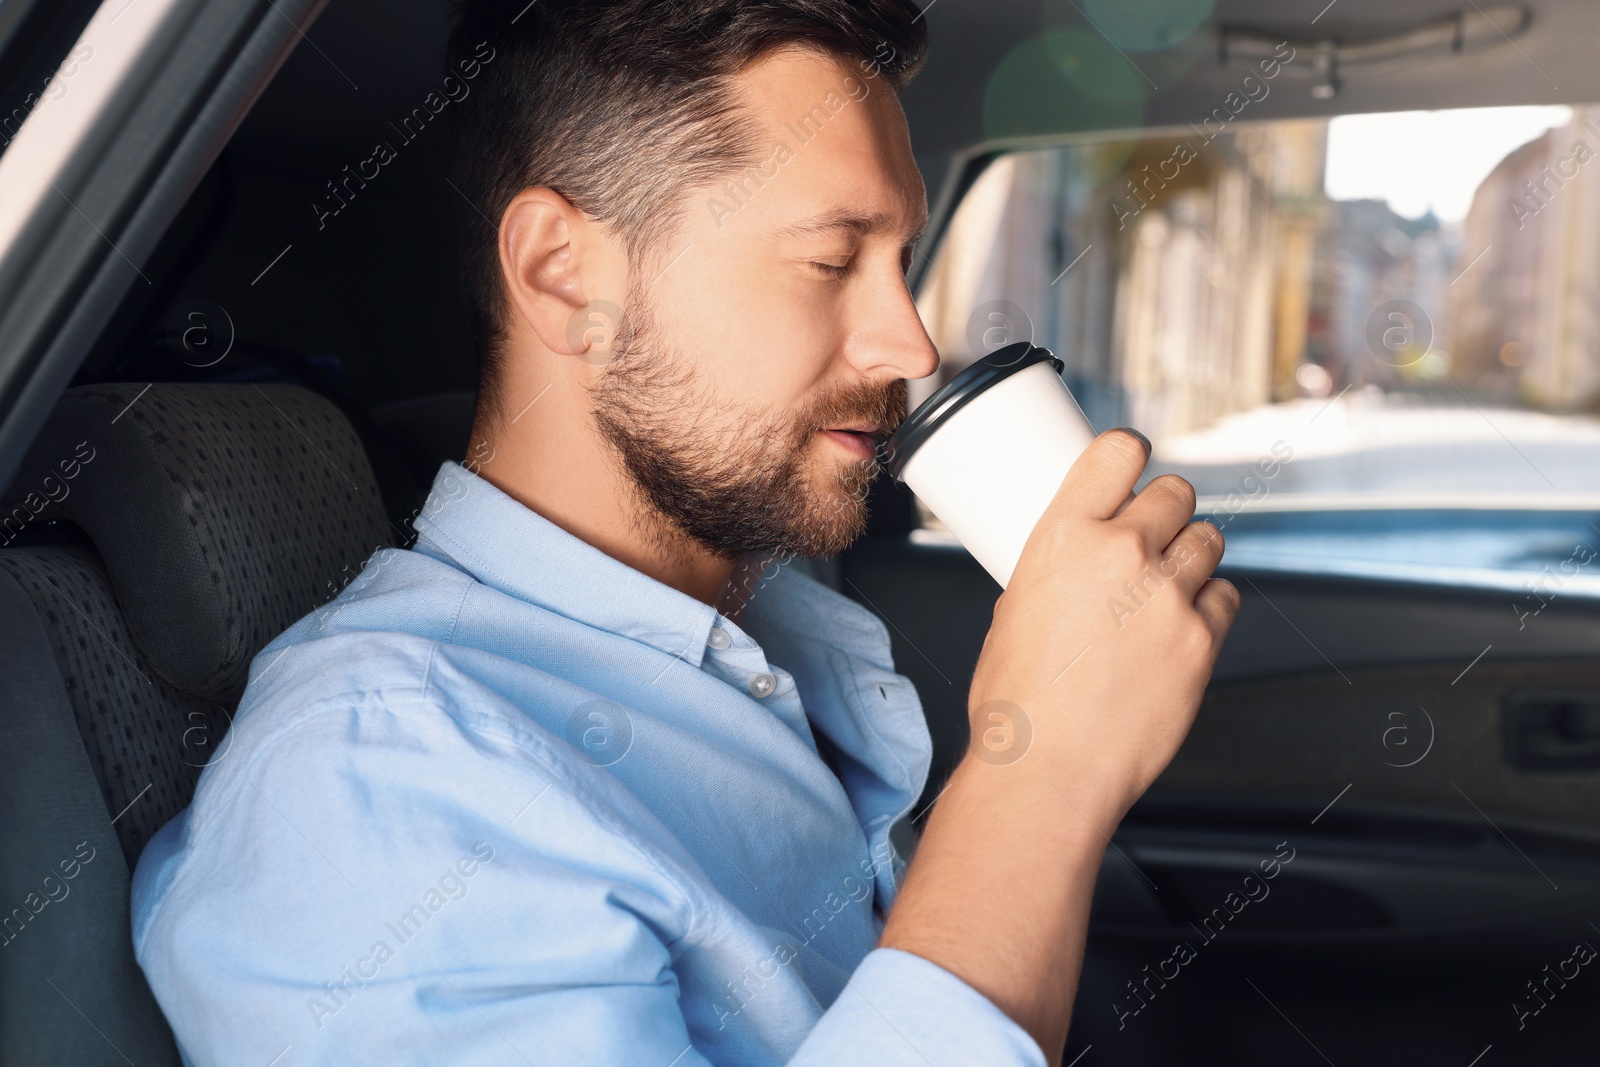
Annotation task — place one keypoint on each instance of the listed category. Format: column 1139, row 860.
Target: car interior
column 232, row 360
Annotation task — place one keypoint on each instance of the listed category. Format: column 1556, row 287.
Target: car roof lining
column 1550, row 63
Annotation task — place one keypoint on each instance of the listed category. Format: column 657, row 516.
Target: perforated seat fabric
column 70, row 990
column 145, row 739
column 222, row 513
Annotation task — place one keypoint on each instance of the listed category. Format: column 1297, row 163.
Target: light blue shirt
column 506, row 800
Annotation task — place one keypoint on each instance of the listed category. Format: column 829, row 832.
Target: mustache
column 882, row 404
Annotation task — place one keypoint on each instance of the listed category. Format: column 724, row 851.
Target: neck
column 549, row 458
column 745, row 577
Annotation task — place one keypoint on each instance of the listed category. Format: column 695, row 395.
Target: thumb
column 1102, row 478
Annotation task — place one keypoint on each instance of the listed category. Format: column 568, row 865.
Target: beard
column 734, row 479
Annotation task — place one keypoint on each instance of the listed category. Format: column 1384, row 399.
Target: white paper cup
column 987, row 451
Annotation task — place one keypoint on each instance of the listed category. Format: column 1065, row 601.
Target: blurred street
column 1393, row 449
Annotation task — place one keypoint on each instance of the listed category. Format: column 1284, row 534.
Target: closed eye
column 833, row 270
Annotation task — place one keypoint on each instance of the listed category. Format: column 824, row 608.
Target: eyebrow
column 851, row 220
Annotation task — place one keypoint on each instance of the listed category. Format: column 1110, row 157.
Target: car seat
column 154, row 539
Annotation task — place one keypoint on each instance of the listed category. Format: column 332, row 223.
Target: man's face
column 763, row 356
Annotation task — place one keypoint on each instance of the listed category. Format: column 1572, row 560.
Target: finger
column 1102, row 477
column 1161, row 509
column 1193, row 555
column 1218, row 603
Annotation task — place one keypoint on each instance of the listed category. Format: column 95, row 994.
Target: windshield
column 1374, row 310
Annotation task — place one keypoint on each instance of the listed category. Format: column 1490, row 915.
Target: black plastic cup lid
column 956, row 394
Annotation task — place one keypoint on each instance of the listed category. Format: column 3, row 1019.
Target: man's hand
column 1088, row 682
column 1107, row 633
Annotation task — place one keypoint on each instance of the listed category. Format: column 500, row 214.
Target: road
column 1392, row 449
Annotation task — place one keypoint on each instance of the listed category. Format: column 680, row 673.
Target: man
column 581, row 779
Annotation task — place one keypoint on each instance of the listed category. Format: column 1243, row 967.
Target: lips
column 864, row 441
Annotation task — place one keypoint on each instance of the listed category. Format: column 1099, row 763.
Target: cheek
column 764, row 331
column 746, row 331
column 768, row 374
column 789, row 346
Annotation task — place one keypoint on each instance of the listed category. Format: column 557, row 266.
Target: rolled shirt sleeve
column 899, row 1008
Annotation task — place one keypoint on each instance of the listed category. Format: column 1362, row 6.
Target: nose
column 891, row 340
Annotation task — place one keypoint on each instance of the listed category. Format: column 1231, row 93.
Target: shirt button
column 762, row 685
column 719, row 638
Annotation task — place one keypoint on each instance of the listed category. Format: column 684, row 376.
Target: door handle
column 1553, row 731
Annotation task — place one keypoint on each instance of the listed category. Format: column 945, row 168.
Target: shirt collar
column 784, row 598
column 510, row 547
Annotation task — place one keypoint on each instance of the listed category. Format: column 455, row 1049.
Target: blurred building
column 1172, row 275
column 1212, row 301
column 1375, row 257
column 1528, row 312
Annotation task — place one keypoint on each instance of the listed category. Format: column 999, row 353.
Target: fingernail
column 1143, row 440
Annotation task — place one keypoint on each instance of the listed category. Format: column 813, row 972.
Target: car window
column 1368, row 311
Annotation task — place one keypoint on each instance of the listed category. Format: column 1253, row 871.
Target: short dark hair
column 621, row 106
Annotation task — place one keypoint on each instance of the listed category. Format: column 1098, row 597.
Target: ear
column 542, row 260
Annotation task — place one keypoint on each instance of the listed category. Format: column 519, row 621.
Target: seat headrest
column 223, row 513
